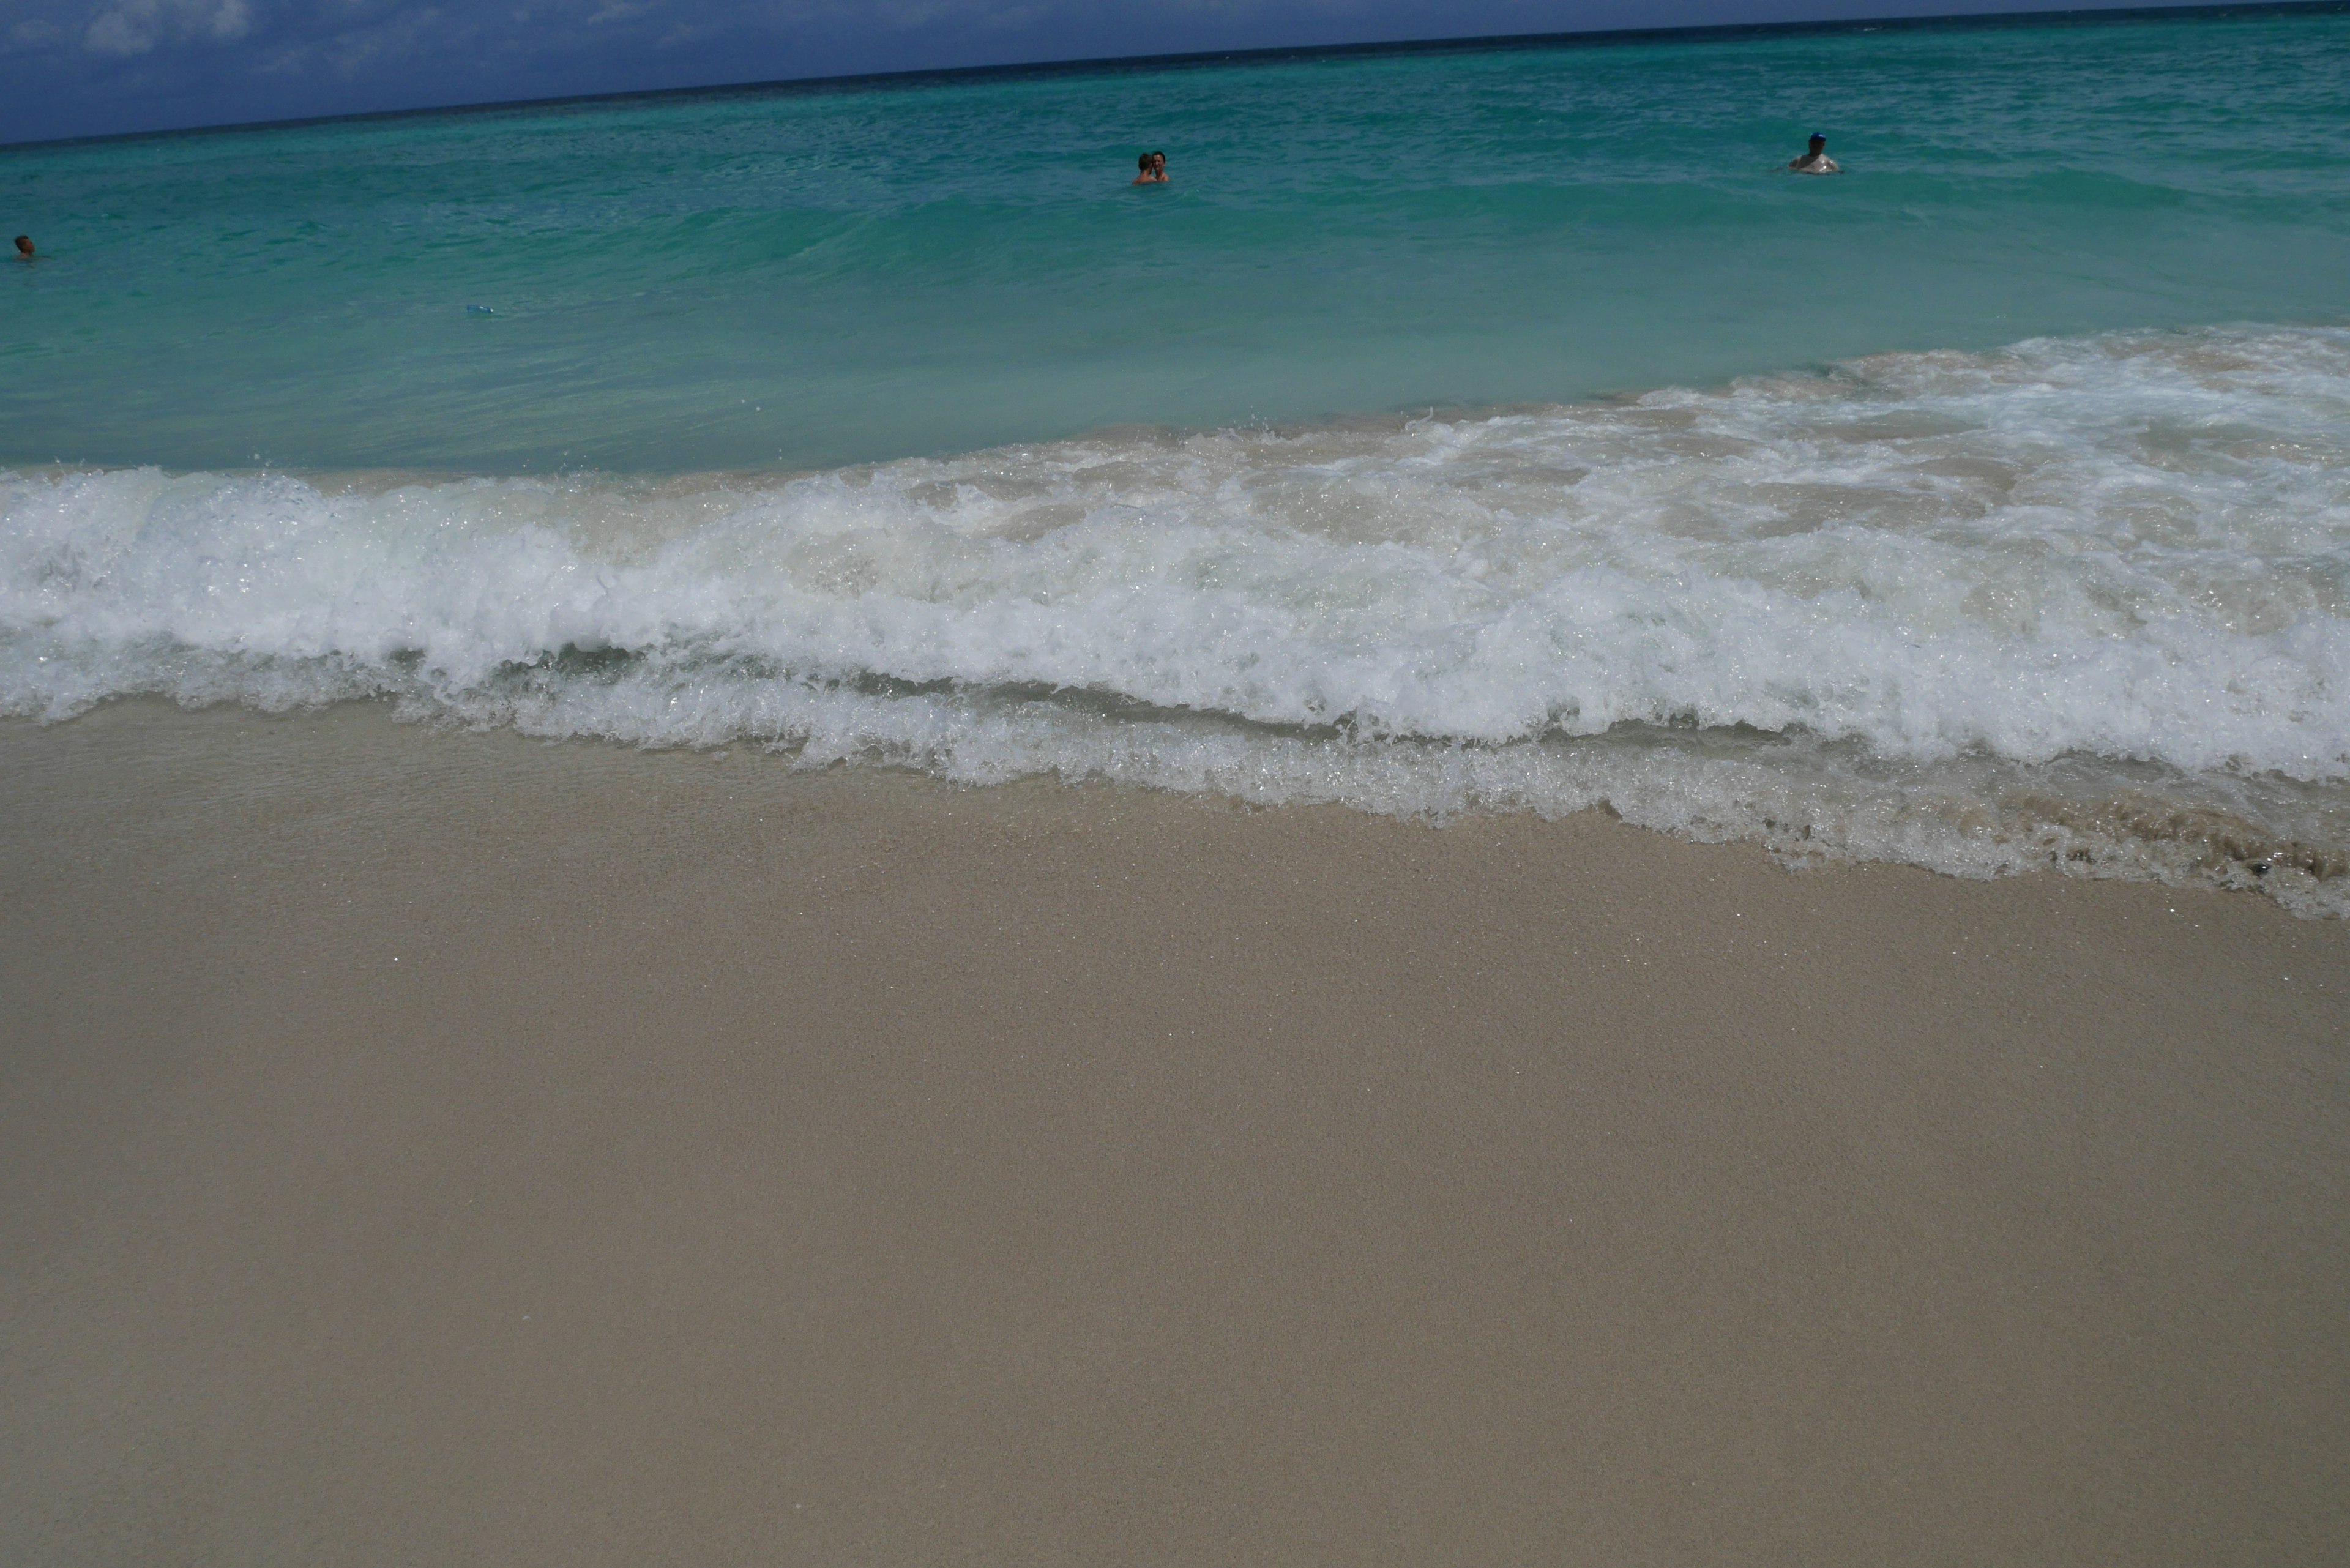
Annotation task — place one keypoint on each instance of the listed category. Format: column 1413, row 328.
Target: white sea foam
column 2084, row 600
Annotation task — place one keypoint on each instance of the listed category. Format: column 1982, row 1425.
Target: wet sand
column 452, row 1148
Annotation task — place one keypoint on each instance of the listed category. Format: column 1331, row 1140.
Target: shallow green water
column 812, row 277
column 1987, row 507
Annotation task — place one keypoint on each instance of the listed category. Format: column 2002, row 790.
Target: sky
column 93, row 67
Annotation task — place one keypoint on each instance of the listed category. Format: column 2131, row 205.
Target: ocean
column 1461, row 429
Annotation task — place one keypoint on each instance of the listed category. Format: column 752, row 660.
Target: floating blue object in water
column 479, row 310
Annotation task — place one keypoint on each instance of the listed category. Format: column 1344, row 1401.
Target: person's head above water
column 24, row 246
column 1815, row 159
column 1159, row 164
column 1153, row 167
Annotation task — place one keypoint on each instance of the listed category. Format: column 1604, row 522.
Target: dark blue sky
column 84, row 68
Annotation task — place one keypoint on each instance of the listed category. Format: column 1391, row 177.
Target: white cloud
column 136, row 26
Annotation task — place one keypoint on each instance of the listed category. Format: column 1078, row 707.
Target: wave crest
column 1977, row 611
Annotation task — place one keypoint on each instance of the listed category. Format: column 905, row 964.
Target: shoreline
column 1908, row 612
column 422, row 1148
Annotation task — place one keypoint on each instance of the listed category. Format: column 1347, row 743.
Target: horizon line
column 1202, row 59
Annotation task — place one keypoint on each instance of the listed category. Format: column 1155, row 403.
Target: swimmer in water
column 1815, row 159
column 24, row 247
column 1153, row 167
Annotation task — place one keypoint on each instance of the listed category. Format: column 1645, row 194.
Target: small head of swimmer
column 1815, row 159
column 24, row 247
column 1159, row 166
column 1142, row 167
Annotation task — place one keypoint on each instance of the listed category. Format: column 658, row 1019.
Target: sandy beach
column 745, row 820
column 440, row 1148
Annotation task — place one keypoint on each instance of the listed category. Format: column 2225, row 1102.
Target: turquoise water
column 809, row 278
column 1461, row 431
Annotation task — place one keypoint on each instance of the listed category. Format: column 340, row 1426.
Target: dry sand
column 443, row 1149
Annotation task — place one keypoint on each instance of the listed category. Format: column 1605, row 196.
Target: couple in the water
column 1152, row 166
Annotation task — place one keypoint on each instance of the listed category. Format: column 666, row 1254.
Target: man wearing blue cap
column 1816, row 161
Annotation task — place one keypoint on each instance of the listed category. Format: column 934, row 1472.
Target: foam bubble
column 2084, row 602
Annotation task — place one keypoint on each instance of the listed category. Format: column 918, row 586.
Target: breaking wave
column 2081, row 603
